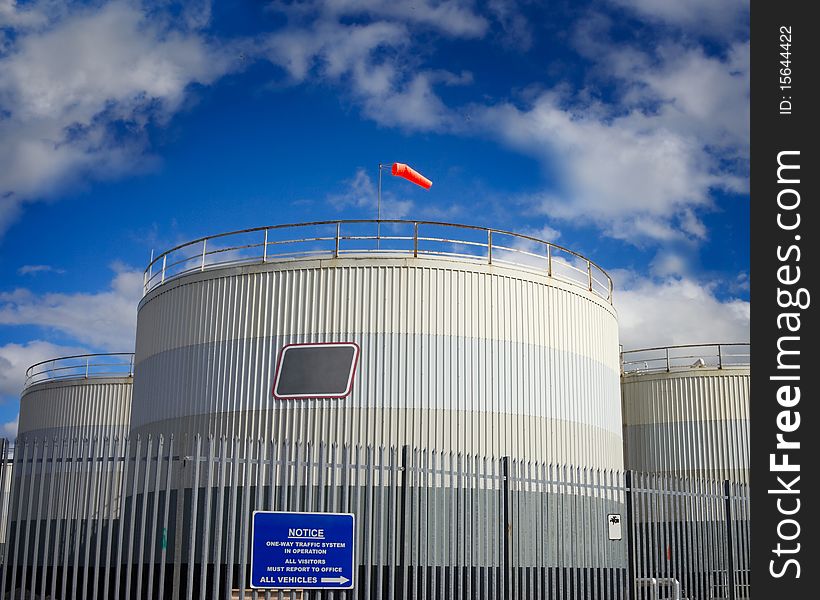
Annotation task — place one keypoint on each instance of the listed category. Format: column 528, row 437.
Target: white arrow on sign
column 341, row 580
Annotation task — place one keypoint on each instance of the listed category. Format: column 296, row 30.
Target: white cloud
column 644, row 165
column 372, row 59
column 724, row 17
column 516, row 26
column 456, row 18
column 689, row 92
column 15, row 359
column 626, row 174
column 105, row 319
column 15, row 16
column 77, row 94
column 9, row 430
column 35, row 269
column 676, row 310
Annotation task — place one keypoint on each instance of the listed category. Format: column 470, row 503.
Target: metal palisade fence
column 161, row 518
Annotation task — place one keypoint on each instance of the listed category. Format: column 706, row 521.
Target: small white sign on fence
column 614, row 522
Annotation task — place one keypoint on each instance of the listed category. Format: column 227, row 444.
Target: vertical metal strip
column 727, row 515
column 101, row 560
column 368, row 520
column 146, row 478
column 92, row 505
column 126, row 474
column 152, row 552
column 191, row 563
column 206, row 517
column 379, row 529
column 50, row 515
column 433, row 512
column 345, row 507
column 181, row 485
column 15, row 518
column 251, row 458
column 238, row 465
column 132, row 519
column 39, row 517
column 169, row 464
column 32, row 480
column 82, row 512
column 5, row 509
column 219, row 509
column 17, row 472
column 452, row 523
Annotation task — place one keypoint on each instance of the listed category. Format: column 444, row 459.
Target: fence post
column 405, row 452
column 505, row 489
column 727, row 498
column 630, row 541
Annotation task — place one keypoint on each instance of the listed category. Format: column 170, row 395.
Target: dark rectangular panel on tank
column 316, row 370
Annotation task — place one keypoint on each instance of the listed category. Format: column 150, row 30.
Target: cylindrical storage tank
column 84, row 396
column 470, row 340
column 686, row 411
column 73, row 411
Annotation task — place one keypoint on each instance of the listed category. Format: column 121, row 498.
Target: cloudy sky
column 618, row 128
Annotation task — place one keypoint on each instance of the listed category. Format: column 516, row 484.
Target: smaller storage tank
column 686, row 411
column 71, row 408
column 83, row 396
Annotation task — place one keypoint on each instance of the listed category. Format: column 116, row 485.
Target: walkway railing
column 686, row 356
column 390, row 238
column 81, row 366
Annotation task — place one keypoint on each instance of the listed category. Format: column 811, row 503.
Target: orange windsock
column 402, row 170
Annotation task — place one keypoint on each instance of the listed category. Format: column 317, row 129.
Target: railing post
column 667, row 360
column 415, row 240
column 727, row 497
column 336, row 248
column 204, row 250
column 589, row 274
column 164, row 258
column 489, row 246
column 610, row 290
column 150, row 271
column 549, row 260
column 86, row 368
column 144, row 282
column 720, row 357
column 265, row 248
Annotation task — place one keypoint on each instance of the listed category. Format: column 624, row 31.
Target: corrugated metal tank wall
column 69, row 408
column 689, row 423
column 79, row 414
column 454, row 355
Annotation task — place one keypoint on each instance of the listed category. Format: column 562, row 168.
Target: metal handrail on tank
column 339, row 239
column 81, row 366
column 684, row 357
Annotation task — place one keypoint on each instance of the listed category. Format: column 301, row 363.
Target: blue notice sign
column 294, row 550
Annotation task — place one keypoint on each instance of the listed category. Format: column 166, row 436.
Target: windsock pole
column 379, row 208
column 399, row 170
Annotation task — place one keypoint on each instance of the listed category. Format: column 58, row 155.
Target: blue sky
column 618, row 128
